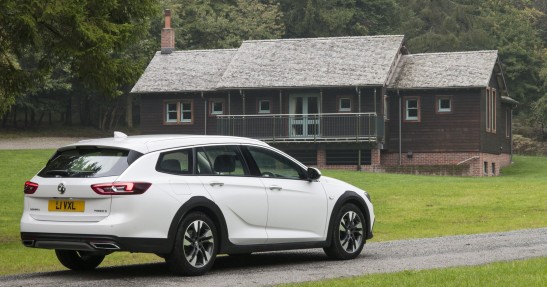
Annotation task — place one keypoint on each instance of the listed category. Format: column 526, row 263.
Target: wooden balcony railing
column 356, row 127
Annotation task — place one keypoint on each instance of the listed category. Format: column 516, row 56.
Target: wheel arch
column 204, row 205
column 349, row 197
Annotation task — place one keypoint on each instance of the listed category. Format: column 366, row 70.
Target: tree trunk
column 14, row 116
column 113, row 115
column 129, row 111
column 40, row 118
column 5, row 118
column 68, row 113
column 32, row 118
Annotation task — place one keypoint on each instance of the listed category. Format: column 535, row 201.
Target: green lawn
column 530, row 273
column 411, row 206
column 407, row 206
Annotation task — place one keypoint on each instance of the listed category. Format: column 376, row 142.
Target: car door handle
column 216, row 183
column 275, row 187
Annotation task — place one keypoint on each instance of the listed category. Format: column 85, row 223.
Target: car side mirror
column 313, row 173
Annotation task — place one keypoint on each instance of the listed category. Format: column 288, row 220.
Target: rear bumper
column 104, row 243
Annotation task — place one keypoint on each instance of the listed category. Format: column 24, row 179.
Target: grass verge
column 532, row 272
column 411, row 206
column 407, row 206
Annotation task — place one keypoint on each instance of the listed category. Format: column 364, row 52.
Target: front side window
column 89, row 162
column 412, row 109
column 175, row 162
column 220, row 160
column 216, row 107
column 271, row 164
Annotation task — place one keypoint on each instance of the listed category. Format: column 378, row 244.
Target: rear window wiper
column 58, row 172
column 66, row 172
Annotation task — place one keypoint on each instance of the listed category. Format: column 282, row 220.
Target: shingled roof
column 184, row 71
column 444, row 70
column 312, row 62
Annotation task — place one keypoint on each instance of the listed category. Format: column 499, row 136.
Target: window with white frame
column 508, row 123
column 186, row 112
column 216, row 107
column 493, row 112
column 344, row 104
column 386, row 107
column 171, row 114
column 491, row 97
column 264, row 106
column 412, row 109
column 488, row 111
column 444, row 104
column 178, row 112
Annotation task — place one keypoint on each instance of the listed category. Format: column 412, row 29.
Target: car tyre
column 348, row 233
column 196, row 246
column 79, row 260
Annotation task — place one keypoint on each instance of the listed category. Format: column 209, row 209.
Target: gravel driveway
column 36, row 142
column 307, row 265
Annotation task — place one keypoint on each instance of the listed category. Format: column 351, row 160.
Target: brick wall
column 475, row 161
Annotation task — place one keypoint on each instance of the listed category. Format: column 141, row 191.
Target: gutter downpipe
column 511, row 134
column 242, row 93
column 400, row 127
column 205, row 114
column 228, row 130
column 358, row 127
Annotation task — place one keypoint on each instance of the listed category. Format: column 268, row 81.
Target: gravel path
column 307, row 265
column 36, row 143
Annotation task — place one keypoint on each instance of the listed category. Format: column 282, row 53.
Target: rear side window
column 89, row 162
column 176, row 162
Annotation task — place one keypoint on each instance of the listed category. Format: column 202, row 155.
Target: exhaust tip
column 28, row 243
column 105, row 245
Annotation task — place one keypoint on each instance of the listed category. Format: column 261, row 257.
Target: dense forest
column 55, row 53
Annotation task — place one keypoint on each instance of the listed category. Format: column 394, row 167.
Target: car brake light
column 30, row 187
column 121, row 188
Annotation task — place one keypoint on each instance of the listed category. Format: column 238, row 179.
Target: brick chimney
column 167, row 35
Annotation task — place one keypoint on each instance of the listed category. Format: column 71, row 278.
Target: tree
column 322, row 18
column 521, row 49
column 444, row 26
column 207, row 24
column 89, row 36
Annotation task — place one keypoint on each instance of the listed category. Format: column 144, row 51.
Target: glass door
column 304, row 120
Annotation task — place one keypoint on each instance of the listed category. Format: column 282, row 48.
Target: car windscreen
column 89, row 162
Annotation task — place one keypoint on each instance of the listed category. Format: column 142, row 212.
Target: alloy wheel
column 198, row 244
column 351, row 232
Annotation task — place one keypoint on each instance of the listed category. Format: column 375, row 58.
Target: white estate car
column 187, row 198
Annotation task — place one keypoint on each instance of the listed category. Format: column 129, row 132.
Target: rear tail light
column 121, row 188
column 30, row 187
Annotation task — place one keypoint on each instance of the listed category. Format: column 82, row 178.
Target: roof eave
column 170, row 92
column 299, row 87
column 434, row 88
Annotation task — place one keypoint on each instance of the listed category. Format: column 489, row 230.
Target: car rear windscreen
column 89, row 162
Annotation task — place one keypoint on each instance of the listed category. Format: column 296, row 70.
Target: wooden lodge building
column 342, row 102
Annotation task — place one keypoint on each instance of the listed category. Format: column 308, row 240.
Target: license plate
column 67, row 205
